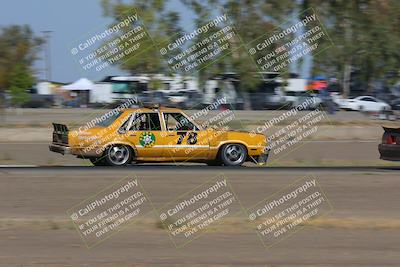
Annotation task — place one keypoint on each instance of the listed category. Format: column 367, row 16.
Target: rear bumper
column 60, row 149
column 389, row 152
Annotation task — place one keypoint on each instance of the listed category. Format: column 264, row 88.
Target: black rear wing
column 392, row 131
column 60, row 133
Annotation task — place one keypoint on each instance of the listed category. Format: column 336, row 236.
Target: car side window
column 178, row 122
column 369, row 99
column 146, row 122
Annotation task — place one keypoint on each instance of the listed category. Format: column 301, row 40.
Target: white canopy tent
column 82, row 84
column 80, row 90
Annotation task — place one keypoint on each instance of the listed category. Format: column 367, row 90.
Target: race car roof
column 147, row 109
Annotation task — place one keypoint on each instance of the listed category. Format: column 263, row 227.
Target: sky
column 70, row 20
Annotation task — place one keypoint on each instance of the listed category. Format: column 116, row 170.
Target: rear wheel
column 118, row 155
column 233, row 154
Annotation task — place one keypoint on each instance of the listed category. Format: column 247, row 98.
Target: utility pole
column 47, row 55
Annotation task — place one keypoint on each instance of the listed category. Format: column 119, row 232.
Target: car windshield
column 107, row 119
column 176, row 94
column 291, row 93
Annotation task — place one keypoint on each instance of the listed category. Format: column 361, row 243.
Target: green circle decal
column 147, row 139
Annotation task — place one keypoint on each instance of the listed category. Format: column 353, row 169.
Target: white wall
column 102, row 93
column 44, row 88
column 297, row 85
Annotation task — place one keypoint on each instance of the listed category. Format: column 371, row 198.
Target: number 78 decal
column 192, row 138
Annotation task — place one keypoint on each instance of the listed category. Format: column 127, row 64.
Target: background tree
column 251, row 20
column 20, row 80
column 161, row 24
column 248, row 17
column 366, row 34
column 18, row 50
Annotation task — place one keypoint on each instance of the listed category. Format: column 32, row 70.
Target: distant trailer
column 101, row 93
column 118, row 88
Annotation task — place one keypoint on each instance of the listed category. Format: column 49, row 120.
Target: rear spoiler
column 393, row 131
column 60, row 133
column 60, row 128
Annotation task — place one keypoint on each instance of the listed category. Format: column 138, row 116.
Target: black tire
column 233, row 154
column 118, row 155
column 214, row 163
column 98, row 161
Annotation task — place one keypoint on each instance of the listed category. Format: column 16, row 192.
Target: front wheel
column 233, row 154
column 118, row 155
column 98, row 161
column 213, row 163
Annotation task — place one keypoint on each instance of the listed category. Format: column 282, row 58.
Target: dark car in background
column 395, row 105
column 389, row 149
column 39, row 101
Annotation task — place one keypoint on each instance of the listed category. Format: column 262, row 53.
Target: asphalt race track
column 361, row 230
column 200, row 167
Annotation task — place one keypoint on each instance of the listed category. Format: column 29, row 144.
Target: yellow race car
column 157, row 134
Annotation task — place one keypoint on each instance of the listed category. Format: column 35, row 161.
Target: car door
column 376, row 104
column 145, row 133
column 184, row 138
column 379, row 104
column 362, row 104
column 371, row 104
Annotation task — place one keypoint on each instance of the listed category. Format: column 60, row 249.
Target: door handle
column 171, row 135
column 132, row 134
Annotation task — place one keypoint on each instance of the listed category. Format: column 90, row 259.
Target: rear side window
column 108, row 120
column 146, row 122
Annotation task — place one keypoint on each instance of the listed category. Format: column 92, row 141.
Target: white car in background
column 177, row 99
column 364, row 103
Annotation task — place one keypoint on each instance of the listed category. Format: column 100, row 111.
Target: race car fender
column 120, row 142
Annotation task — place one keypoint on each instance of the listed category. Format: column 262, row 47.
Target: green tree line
column 366, row 35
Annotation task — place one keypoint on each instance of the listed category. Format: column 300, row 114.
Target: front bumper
column 262, row 158
column 389, row 152
column 60, row 149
